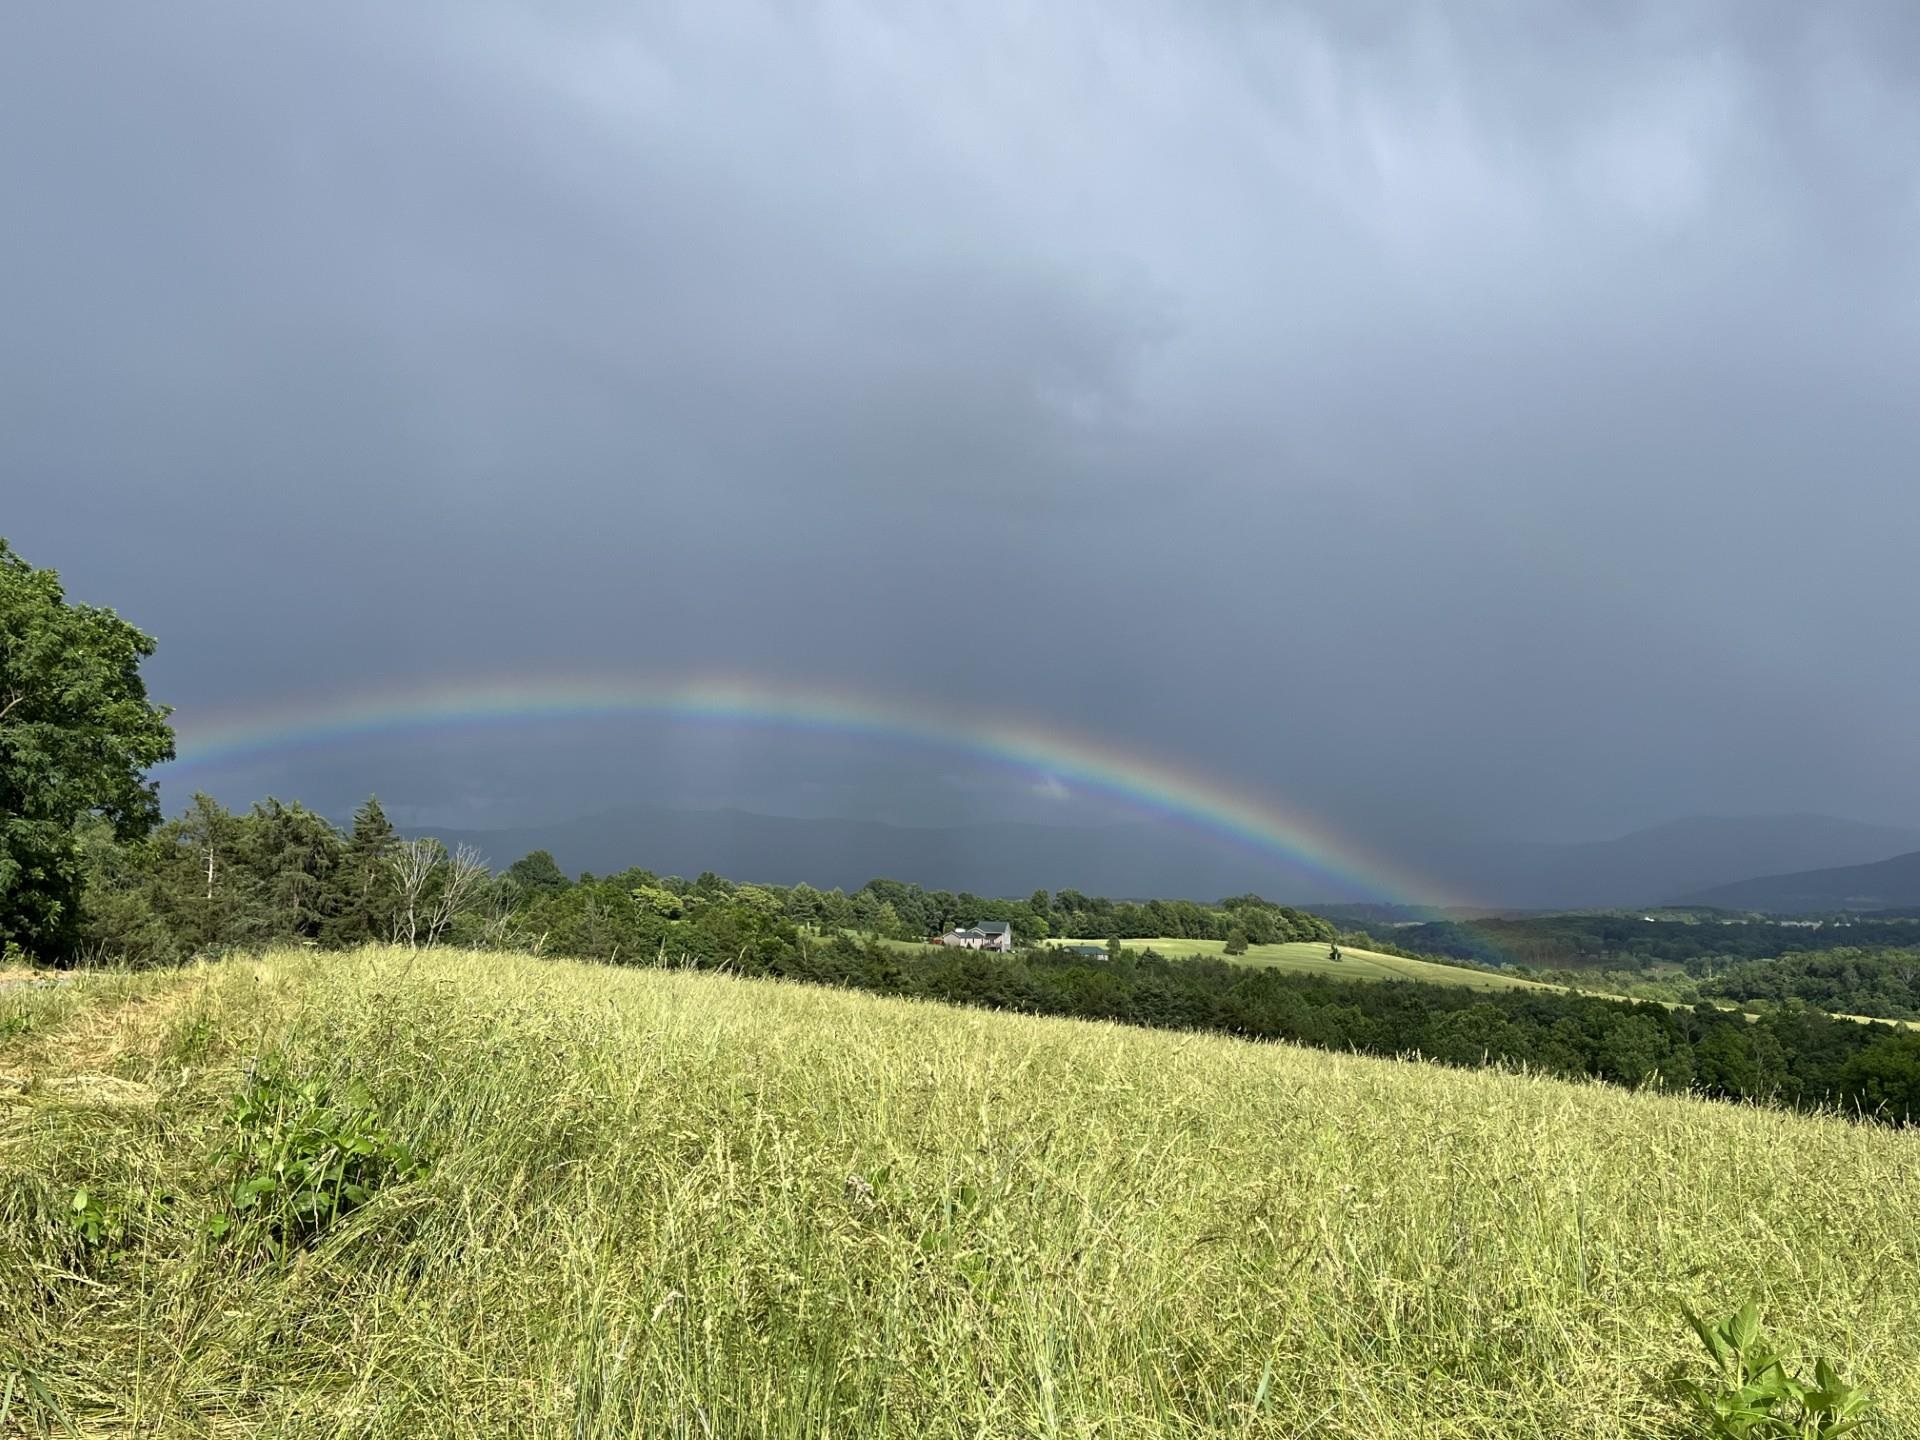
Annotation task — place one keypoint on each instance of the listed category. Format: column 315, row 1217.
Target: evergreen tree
column 363, row 901
column 120, row 922
column 203, row 888
column 804, row 904
column 293, row 853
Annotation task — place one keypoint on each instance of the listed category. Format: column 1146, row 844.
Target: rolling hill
column 661, row 1200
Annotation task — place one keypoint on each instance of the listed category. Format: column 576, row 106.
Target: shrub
column 1753, row 1396
column 300, row 1158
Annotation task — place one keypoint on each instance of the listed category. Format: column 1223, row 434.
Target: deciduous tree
column 77, row 737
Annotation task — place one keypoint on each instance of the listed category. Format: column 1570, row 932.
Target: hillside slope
column 1312, row 957
column 1884, row 885
column 677, row 1203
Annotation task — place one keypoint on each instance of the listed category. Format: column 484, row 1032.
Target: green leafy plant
column 1752, row 1395
column 96, row 1223
column 301, row 1157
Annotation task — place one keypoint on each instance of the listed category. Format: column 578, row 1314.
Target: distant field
column 1352, row 964
column 1299, row 957
column 671, row 1203
column 905, row 947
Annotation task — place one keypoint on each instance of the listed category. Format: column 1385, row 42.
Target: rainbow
column 1142, row 782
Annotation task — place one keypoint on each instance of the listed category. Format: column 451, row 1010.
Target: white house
column 988, row 935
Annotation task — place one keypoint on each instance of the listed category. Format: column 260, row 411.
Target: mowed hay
column 660, row 1202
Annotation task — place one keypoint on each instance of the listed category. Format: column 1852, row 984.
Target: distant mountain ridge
column 1010, row 858
column 1675, row 862
column 1892, row 884
column 1683, row 856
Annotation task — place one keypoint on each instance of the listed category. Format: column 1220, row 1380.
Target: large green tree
column 77, row 737
column 537, row 873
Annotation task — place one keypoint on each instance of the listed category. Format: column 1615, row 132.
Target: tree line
column 1249, row 917
column 213, row 880
column 1852, row 979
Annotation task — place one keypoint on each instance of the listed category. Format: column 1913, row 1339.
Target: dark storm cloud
column 1495, row 420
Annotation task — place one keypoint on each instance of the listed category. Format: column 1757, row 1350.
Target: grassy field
column 677, row 1204
column 1302, row 956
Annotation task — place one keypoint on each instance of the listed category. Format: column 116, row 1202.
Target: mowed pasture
column 671, row 1203
column 1304, row 956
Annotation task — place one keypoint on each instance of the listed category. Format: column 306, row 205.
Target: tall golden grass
column 676, row 1204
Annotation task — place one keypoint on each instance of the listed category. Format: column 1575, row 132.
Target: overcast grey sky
column 1488, row 416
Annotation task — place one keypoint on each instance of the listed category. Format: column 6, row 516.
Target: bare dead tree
column 465, row 875
column 413, row 863
column 499, row 929
column 434, row 889
column 202, row 825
